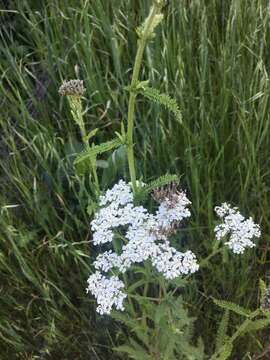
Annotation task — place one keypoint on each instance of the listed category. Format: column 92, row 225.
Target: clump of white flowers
column 239, row 230
column 145, row 237
column 107, row 292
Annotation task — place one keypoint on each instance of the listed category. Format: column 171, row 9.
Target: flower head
column 145, row 238
column 72, row 88
column 172, row 210
column 172, row 263
column 107, row 291
column 239, row 231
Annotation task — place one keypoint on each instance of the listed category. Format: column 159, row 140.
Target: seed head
column 72, row 88
column 168, row 192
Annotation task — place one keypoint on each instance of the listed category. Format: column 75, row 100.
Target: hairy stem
column 132, row 97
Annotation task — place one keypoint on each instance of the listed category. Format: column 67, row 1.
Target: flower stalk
column 74, row 91
column 145, row 33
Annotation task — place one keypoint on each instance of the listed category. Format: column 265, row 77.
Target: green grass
column 213, row 57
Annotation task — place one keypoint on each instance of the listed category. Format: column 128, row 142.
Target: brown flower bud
column 72, row 88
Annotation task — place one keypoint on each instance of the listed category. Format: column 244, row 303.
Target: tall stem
column 77, row 113
column 92, row 161
column 132, row 97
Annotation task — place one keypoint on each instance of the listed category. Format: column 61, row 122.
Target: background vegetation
column 214, row 57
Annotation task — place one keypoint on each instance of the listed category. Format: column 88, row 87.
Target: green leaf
column 161, row 99
column 233, row 307
column 116, row 166
column 83, row 167
column 91, row 208
column 92, row 134
column 97, row 149
column 134, row 353
column 161, row 313
column 159, row 182
column 257, row 325
column 262, row 287
column 226, row 351
column 142, row 85
column 146, row 30
column 222, row 330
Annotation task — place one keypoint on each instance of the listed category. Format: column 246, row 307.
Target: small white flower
column 172, row 263
column 141, row 244
column 223, row 210
column 107, row 261
column 119, row 194
column 102, row 236
column 240, row 231
column 112, row 217
column 107, row 292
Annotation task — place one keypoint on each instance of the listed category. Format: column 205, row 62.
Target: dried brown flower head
column 168, row 192
column 72, row 88
column 169, row 196
column 163, row 233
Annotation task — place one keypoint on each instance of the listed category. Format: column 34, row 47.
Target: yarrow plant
column 145, row 236
column 136, row 240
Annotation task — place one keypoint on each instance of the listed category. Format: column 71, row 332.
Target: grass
column 214, row 57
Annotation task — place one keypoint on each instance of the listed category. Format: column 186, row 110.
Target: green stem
column 92, row 161
column 205, row 261
column 77, row 113
column 132, row 98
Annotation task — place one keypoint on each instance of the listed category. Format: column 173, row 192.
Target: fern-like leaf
column 226, row 351
column 134, row 351
column 233, row 307
column 97, row 149
column 162, row 99
column 256, row 325
column 222, row 330
column 159, row 182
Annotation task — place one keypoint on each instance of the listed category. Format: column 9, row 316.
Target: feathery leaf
column 222, row 330
column 97, row 149
column 161, row 99
column 159, row 182
column 233, row 307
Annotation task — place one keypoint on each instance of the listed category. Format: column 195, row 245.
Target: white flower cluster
column 107, row 292
column 240, row 231
column 173, row 263
column 146, row 238
column 173, row 210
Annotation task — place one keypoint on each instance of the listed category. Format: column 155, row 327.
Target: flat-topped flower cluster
column 239, row 230
column 145, row 237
